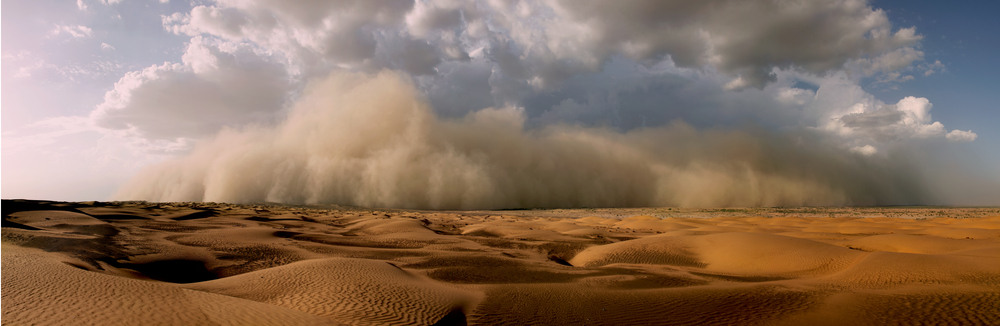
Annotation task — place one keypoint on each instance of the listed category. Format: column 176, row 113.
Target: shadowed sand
column 136, row 263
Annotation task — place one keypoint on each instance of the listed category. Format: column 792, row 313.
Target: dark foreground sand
column 204, row 264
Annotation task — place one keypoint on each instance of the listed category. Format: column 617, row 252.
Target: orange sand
column 185, row 263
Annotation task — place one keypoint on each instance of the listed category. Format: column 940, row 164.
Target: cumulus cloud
column 210, row 89
column 908, row 118
column 961, row 135
column 553, row 40
column 311, row 34
column 728, row 35
column 471, row 55
column 532, row 104
column 371, row 141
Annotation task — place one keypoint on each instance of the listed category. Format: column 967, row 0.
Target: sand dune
column 40, row 290
column 352, row 291
column 136, row 263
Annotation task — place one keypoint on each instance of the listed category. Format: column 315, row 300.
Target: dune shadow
column 173, row 270
column 199, row 214
column 454, row 318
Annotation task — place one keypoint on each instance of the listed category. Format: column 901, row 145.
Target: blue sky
column 95, row 91
column 962, row 35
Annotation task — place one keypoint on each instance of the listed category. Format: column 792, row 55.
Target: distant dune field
column 138, row 263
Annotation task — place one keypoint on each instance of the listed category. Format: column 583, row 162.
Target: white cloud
column 866, row 150
column 211, row 89
column 27, row 68
column 201, row 58
column 961, row 135
column 728, row 35
column 795, row 96
column 310, row 34
column 571, row 62
column 872, row 120
column 81, row 5
column 553, row 40
column 933, row 68
column 891, row 79
column 443, row 23
column 33, row 67
column 621, row 66
column 78, row 31
column 428, row 16
column 893, row 60
column 917, row 117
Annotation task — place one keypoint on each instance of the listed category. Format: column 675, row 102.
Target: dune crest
column 205, row 263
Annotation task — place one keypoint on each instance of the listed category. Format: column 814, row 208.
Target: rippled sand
column 203, row 263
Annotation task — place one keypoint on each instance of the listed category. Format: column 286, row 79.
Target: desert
column 500, row 162
column 144, row 263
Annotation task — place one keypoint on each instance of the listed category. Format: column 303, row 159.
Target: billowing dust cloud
column 373, row 141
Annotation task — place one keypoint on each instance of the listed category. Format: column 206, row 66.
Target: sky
column 502, row 103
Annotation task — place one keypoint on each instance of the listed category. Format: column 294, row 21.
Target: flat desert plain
column 137, row 263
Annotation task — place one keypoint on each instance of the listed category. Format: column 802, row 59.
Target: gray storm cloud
column 372, row 140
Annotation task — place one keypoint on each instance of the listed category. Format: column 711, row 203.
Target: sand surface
column 137, row 263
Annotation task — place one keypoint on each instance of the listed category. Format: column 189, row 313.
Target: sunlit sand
column 185, row 263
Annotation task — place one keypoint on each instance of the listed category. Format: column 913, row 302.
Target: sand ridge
column 206, row 263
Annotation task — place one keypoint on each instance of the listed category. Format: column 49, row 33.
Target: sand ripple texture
column 138, row 263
